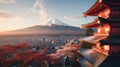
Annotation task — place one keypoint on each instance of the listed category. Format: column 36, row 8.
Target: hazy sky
column 16, row 14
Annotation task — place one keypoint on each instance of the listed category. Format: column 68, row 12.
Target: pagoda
column 108, row 30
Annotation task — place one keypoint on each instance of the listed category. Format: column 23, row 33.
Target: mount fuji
column 48, row 27
column 52, row 21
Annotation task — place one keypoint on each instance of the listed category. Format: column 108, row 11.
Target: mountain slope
column 49, row 27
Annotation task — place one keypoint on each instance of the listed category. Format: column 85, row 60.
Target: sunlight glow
column 105, row 29
column 106, row 47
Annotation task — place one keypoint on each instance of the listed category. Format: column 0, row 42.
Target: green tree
column 89, row 32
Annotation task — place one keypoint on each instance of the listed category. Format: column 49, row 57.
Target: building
column 108, row 30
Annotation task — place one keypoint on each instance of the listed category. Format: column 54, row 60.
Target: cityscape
column 51, row 45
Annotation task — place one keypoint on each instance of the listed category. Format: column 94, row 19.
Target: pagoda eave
column 93, row 24
column 95, row 9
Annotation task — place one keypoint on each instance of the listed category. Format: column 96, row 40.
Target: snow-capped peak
column 52, row 21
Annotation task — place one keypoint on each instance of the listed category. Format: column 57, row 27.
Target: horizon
column 19, row 14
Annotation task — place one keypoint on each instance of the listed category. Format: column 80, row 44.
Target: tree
column 89, row 32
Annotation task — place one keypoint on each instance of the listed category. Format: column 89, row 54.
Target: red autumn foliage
column 12, row 53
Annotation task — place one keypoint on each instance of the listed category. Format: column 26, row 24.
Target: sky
column 18, row 14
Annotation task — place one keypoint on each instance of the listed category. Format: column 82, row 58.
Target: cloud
column 39, row 9
column 74, row 18
column 7, row 1
column 6, row 15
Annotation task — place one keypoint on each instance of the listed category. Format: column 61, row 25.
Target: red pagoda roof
column 100, row 20
column 93, row 24
column 95, row 9
column 101, row 5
